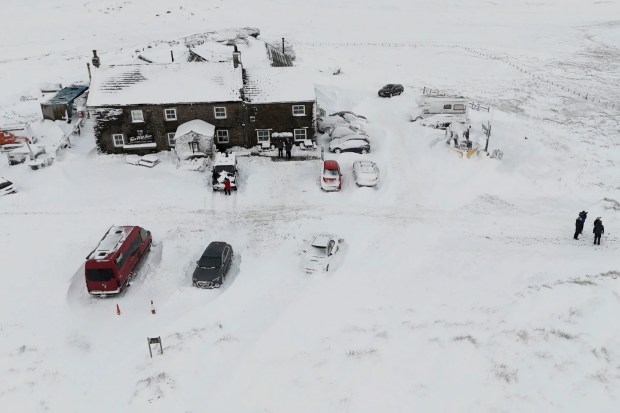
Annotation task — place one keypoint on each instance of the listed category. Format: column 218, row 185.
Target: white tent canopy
column 194, row 136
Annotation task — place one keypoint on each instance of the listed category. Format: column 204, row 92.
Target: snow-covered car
column 350, row 143
column 442, row 121
column 340, row 131
column 365, row 173
column 224, row 166
column 325, row 124
column 6, row 187
column 149, row 161
column 321, row 252
column 331, row 178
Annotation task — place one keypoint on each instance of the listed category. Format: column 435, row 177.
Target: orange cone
column 152, row 308
column 118, row 310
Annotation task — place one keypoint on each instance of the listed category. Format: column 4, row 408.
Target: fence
column 588, row 96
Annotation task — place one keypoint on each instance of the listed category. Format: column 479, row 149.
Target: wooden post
column 283, row 45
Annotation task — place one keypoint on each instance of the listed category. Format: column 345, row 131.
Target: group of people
column 288, row 146
column 598, row 229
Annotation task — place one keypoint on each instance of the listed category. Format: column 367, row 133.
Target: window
column 262, row 135
column 459, row 106
column 220, row 113
column 170, row 136
column 447, row 106
column 252, row 118
column 137, row 116
column 222, row 136
column 300, row 135
column 118, row 139
column 299, row 110
column 170, row 114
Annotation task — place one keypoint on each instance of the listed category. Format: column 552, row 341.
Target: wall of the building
column 111, row 121
column 54, row 111
column 278, row 117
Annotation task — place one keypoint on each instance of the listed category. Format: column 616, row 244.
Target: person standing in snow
column 598, row 230
column 581, row 220
column 227, row 186
column 280, row 149
column 289, row 147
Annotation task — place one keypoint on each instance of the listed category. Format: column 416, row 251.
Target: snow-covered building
column 138, row 107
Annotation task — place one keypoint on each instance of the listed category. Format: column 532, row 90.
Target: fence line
column 588, row 96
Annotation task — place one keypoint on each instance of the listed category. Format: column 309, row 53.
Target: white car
column 443, row 121
column 326, row 123
column 149, row 161
column 350, row 143
column 340, row 131
column 365, row 173
column 321, row 253
column 6, row 187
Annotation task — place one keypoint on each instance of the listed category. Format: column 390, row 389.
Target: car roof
column 365, row 166
column 322, row 240
column 331, row 164
column 214, row 249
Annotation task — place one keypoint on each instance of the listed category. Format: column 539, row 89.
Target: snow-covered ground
column 460, row 287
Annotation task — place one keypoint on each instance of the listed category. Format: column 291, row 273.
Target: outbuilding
column 60, row 106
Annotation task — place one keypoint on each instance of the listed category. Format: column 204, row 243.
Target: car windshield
column 390, row 86
column 210, row 262
column 319, row 251
column 99, row 274
column 330, row 172
column 230, row 169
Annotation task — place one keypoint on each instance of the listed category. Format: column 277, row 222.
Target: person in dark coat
column 289, row 147
column 598, row 230
column 280, row 149
column 227, row 186
column 581, row 220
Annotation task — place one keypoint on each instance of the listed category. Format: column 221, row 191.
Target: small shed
column 60, row 106
column 194, row 137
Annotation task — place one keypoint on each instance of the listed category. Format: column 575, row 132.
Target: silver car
column 365, row 173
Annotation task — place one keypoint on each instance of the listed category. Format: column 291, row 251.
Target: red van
column 110, row 266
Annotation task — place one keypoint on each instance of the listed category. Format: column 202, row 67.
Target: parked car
column 149, row 161
column 390, row 90
column 365, row 173
column 331, row 178
column 320, row 253
column 325, row 124
column 340, row 131
column 6, row 187
column 350, row 143
column 442, row 121
column 224, row 166
column 213, row 265
column 112, row 264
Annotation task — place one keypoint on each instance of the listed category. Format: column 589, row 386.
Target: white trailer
column 434, row 103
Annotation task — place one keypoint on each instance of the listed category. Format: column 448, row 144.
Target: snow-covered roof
column 213, row 51
column 278, row 84
column 197, row 126
column 322, row 240
column 111, row 241
column 169, row 83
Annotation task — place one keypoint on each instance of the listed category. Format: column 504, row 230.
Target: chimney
column 236, row 57
column 88, row 67
column 172, row 56
column 96, row 61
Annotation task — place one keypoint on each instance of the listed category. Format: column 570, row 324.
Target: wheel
column 338, row 150
column 390, row 95
column 432, row 126
column 364, row 151
column 418, row 118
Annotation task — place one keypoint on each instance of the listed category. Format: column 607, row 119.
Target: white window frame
column 220, row 136
column 115, row 136
column 215, row 114
column 305, row 131
column 171, row 142
column 297, row 111
column 174, row 114
column 137, row 119
column 258, row 137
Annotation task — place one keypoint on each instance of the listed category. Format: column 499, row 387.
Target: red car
column 110, row 266
column 331, row 178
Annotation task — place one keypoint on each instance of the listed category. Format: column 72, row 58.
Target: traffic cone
column 118, row 310
column 152, row 308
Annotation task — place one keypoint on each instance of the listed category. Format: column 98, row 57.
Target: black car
column 213, row 265
column 390, row 90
